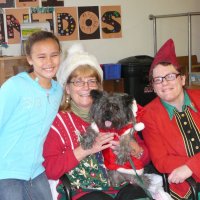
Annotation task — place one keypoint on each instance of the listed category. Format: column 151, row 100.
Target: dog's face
column 110, row 110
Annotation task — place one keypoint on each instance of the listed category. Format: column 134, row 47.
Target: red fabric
column 166, row 54
column 139, row 113
column 110, row 157
column 165, row 143
column 59, row 156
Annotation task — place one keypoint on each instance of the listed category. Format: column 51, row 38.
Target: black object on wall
column 135, row 70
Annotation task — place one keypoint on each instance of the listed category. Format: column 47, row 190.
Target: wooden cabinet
column 114, row 85
column 193, row 87
column 10, row 66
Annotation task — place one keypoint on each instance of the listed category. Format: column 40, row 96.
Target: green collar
column 170, row 109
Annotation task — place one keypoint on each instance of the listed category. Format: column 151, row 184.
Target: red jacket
column 165, row 143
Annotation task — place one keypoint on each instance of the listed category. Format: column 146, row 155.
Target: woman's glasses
column 80, row 83
column 168, row 77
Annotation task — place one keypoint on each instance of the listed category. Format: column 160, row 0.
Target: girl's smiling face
column 45, row 59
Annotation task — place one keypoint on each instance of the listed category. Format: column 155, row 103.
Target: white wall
column 137, row 29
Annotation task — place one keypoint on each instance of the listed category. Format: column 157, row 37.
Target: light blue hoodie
column 26, row 113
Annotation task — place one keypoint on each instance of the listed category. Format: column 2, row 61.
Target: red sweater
column 165, row 143
column 59, row 145
column 62, row 140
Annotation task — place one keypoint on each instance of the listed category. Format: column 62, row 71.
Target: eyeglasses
column 80, row 83
column 168, row 77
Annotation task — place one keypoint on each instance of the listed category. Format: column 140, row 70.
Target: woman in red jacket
column 79, row 74
column 172, row 123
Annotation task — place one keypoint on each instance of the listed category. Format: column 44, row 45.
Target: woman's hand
column 115, row 146
column 180, row 174
column 136, row 149
column 102, row 142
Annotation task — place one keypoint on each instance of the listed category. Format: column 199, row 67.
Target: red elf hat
column 166, row 54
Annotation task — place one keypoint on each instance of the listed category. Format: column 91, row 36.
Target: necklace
column 46, row 85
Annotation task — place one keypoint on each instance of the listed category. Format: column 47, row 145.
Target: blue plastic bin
column 111, row 71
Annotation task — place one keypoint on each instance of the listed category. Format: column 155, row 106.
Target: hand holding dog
column 136, row 149
column 102, row 142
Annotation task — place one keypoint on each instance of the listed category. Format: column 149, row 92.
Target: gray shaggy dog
column 110, row 112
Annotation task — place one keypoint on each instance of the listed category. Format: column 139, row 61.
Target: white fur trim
column 130, row 171
column 126, row 132
column 134, row 108
column 94, row 126
column 139, row 126
column 75, row 58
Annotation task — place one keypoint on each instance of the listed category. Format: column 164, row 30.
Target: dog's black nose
column 107, row 115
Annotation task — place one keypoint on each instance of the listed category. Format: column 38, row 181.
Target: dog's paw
column 122, row 158
column 115, row 178
column 86, row 142
column 88, row 138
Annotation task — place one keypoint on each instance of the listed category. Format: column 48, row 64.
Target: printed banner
column 52, row 3
column 2, row 32
column 27, row 3
column 88, row 23
column 15, row 17
column 71, row 23
column 43, row 14
column 111, row 21
column 66, row 23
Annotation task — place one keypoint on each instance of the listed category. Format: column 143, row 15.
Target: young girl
column 28, row 105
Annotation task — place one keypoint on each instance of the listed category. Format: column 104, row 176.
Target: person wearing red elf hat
column 172, row 123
